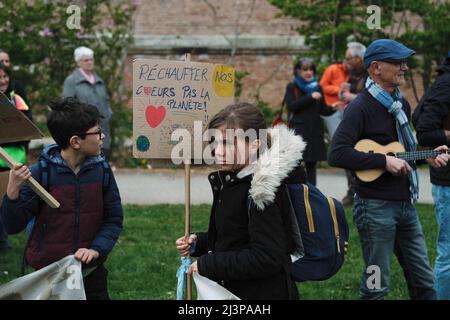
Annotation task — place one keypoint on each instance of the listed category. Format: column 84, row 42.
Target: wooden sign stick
column 187, row 205
column 41, row 192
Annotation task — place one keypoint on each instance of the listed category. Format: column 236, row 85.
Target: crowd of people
column 246, row 249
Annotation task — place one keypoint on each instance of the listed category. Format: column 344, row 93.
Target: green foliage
column 143, row 264
column 267, row 110
column 41, row 46
column 327, row 26
column 239, row 75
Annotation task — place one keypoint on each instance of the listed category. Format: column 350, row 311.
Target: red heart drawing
column 155, row 115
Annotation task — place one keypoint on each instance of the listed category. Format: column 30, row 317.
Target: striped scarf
column 405, row 135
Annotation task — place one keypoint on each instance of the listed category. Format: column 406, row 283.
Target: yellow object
column 223, row 80
column 309, row 214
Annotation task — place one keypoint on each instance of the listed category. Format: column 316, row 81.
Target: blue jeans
column 441, row 196
column 387, row 227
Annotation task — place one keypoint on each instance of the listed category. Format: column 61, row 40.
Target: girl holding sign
column 248, row 245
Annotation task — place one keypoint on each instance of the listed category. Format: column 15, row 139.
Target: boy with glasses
column 89, row 220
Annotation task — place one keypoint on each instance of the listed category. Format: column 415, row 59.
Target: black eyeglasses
column 99, row 132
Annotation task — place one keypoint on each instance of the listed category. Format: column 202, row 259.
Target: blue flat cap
column 386, row 49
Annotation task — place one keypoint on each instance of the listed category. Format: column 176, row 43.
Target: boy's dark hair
column 70, row 117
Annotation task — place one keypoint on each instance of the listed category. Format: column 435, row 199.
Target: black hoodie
column 427, row 119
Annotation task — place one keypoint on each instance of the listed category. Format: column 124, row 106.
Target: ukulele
column 394, row 149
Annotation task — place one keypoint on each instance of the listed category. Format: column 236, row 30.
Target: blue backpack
column 319, row 230
column 324, row 233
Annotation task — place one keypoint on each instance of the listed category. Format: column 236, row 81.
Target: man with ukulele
column 383, row 209
column 432, row 121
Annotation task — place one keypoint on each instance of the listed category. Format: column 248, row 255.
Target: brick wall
column 206, row 17
column 269, row 64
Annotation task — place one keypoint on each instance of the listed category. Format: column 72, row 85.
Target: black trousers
column 96, row 284
column 351, row 184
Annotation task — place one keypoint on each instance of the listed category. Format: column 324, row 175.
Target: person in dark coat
column 87, row 86
column 16, row 85
column 432, row 121
column 305, row 103
column 17, row 150
column 383, row 209
column 248, row 246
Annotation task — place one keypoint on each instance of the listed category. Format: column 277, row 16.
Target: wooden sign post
column 187, row 206
column 177, row 96
column 14, row 127
column 41, row 192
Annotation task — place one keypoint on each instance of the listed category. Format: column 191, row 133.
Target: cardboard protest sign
column 171, row 95
column 14, row 125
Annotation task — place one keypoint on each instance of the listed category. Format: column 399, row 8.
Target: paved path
column 167, row 186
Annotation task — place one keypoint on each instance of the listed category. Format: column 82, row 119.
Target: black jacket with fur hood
column 248, row 251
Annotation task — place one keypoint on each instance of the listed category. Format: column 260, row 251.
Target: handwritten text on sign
column 169, row 95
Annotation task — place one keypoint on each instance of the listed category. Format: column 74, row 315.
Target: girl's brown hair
column 243, row 116
column 239, row 116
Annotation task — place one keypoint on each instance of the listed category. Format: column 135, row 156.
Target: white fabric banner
column 210, row 290
column 62, row 280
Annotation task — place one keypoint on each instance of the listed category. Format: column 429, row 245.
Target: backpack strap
column 44, row 180
column 296, row 92
column 44, row 174
column 106, row 176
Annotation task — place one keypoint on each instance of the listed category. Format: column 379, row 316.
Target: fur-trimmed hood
column 274, row 165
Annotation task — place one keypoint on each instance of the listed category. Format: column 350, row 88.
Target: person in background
column 383, row 209
column 15, row 84
column 17, row 150
column 432, row 121
column 87, row 86
column 305, row 104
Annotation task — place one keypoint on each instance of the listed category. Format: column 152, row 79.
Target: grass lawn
column 144, row 262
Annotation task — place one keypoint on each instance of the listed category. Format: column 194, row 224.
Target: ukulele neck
column 419, row 155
